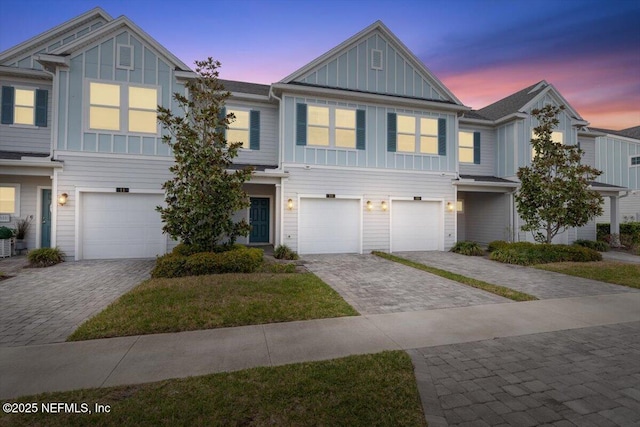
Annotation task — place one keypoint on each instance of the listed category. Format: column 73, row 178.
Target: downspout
column 280, row 161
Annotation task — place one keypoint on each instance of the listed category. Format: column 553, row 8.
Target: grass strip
column 617, row 273
column 502, row 291
column 215, row 301
column 375, row 389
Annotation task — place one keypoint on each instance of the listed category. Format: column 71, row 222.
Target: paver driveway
column 45, row 305
column 373, row 285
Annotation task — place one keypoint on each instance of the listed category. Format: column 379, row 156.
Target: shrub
column 238, row 260
column 185, row 250
column 630, row 229
column 170, row 265
column 497, row 244
column 6, row 233
column 591, row 244
column 467, row 248
column 284, row 252
column 526, row 253
column 45, row 257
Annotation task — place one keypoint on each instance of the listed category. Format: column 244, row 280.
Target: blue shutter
column 442, row 137
column 476, row 148
column 392, row 135
column 301, row 124
column 254, row 130
column 360, row 129
column 41, row 107
column 7, row 105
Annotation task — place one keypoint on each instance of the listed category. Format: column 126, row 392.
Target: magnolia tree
column 203, row 194
column 554, row 192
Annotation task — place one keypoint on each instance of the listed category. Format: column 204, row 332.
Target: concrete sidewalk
column 140, row 359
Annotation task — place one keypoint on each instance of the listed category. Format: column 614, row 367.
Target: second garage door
column 329, row 226
column 121, row 225
column 415, row 225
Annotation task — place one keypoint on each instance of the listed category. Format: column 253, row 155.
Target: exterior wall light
column 450, row 206
column 369, row 205
column 62, row 199
column 384, row 206
column 290, row 204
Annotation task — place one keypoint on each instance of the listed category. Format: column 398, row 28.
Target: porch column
column 278, row 217
column 614, row 203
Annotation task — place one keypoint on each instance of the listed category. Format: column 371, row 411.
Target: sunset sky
column 482, row 50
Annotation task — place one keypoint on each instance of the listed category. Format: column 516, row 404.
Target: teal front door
column 45, row 226
column 259, row 220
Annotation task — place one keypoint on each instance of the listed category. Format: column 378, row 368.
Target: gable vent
column 125, row 57
column 376, row 59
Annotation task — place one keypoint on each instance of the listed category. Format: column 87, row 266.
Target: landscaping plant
column 284, row 252
column 467, row 248
column 45, row 257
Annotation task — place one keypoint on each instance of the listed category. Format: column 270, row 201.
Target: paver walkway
column 581, row 377
column 540, row 283
column 621, row 257
column 45, row 305
column 373, row 285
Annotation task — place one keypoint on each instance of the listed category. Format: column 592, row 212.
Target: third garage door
column 415, row 225
column 329, row 226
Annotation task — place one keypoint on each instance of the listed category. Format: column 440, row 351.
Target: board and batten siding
column 613, row 159
column 588, row 145
column 487, row 152
column 351, row 69
column 269, row 149
column 98, row 63
column 375, row 154
column 104, row 172
column 368, row 185
column 32, row 139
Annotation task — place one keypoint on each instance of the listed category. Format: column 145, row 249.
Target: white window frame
column 332, row 127
column 231, row 109
column 15, row 104
column 124, row 108
column 634, row 156
column 417, row 133
column 465, row 147
column 16, row 203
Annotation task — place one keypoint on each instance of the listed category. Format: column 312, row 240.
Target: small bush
column 238, row 260
column 467, row 248
column 630, row 229
column 591, row 244
column 284, row 252
column 526, row 253
column 6, row 233
column 170, row 265
column 184, row 249
column 497, row 244
column 45, row 257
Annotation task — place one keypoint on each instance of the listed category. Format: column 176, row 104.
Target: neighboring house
column 361, row 149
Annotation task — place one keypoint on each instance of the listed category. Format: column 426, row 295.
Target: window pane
column 429, row 144
column 346, row 138
column 25, row 97
column 104, row 118
column 142, row 121
column 318, row 115
column 407, row 143
column 345, row 118
column 406, row 124
column 466, row 155
column 235, row 135
column 242, row 119
column 7, row 200
column 465, row 139
column 557, row 137
column 460, row 206
column 104, row 94
column 23, row 115
column 318, row 135
column 428, row 126
column 142, row 97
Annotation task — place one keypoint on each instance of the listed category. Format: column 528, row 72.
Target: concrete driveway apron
column 373, row 285
column 45, row 305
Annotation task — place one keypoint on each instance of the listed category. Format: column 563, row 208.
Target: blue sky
column 482, row 50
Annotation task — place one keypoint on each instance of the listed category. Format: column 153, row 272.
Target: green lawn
column 618, row 273
column 502, row 291
column 215, row 301
column 378, row 389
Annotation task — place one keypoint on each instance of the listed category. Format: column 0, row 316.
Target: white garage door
column 121, row 225
column 415, row 225
column 329, row 226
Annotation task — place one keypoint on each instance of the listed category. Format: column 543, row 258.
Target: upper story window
column 245, row 129
column 330, row 126
column 24, row 106
column 412, row 134
column 469, row 147
column 122, row 108
column 556, row 136
column 10, row 199
column 635, row 161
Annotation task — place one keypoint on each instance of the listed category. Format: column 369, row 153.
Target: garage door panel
column 415, row 225
column 329, row 226
column 121, row 225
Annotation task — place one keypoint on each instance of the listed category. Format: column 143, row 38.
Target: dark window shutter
column 392, row 136
column 222, row 128
column 442, row 137
column 361, row 129
column 254, row 130
column 301, row 124
column 476, row 148
column 7, row 105
column 42, row 97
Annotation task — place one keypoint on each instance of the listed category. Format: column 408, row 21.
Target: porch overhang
column 484, row 184
column 29, row 164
